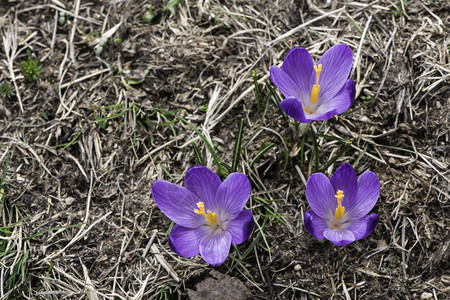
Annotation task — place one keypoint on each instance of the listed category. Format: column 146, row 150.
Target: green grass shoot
column 30, row 68
column 6, row 90
column 360, row 156
column 262, row 150
column 257, row 92
column 337, row 155
column 237, row 147
column 198, row 157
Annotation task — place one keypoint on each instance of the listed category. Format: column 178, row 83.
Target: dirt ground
column 123, row 85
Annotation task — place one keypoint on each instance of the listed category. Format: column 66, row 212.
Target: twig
column 55, row 27
column 74, row 29
column 10, row 46
column 77, row 237
column 63, row 86
column 360, row 45
column 291, row 286
column 433, row 167
column 164, row 263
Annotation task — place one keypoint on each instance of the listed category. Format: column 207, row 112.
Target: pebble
column 297, row 267
column 69, row 200
column 426, row 295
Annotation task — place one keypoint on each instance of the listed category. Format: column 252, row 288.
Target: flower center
column 210, row 217
column 340, row 210
column 316, row 87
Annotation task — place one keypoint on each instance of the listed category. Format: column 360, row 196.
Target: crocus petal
column 319, row 116
column 177, row 203
column 184, row 241
column 320, row 195
column 336, row 66
column 299, row 65
column 364, row 226
column 232, row 194
column 344, row 179
column 284, row 82
column 203, row 182
column 315, row 224
column 340, row 102
column 368, row 192
column 214, row 249
column 294, row 109
column 339, row 237
column 241, row 227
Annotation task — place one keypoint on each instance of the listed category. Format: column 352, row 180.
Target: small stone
column 438, row 105
column 392, row 161
column 69, row 200
column 219, row 286
column 297, row 267
column 426, row 295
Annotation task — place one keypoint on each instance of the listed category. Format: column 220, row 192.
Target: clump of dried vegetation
column 123, row 101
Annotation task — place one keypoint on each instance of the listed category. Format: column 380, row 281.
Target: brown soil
column 82, row 145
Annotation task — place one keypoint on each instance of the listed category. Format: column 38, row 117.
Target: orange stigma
column 210, row 217
column 316, row 87
column 340, row 210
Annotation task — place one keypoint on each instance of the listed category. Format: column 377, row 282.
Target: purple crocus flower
column 315, row 92
column 339, row 206
column 208, row 213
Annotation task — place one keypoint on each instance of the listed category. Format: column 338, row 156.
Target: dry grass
column 83, row 145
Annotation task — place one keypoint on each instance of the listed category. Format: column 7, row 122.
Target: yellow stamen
column 316, row 87
column 210, row 217
column 340, row 210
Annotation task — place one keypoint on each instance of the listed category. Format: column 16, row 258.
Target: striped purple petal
column 214, row 249
column 336, row 65
column 320, row 195
column 184, row 241
column 202, row 182
column 368, row 193
column 284, row 82
column 339, row 237
column 241, row 227
column 315, row 224
column 232, row 194
column 294, row 109
column 298, row 64
column 344, row 179
column 339, row 103
column 364, row 226
column 177, row 203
